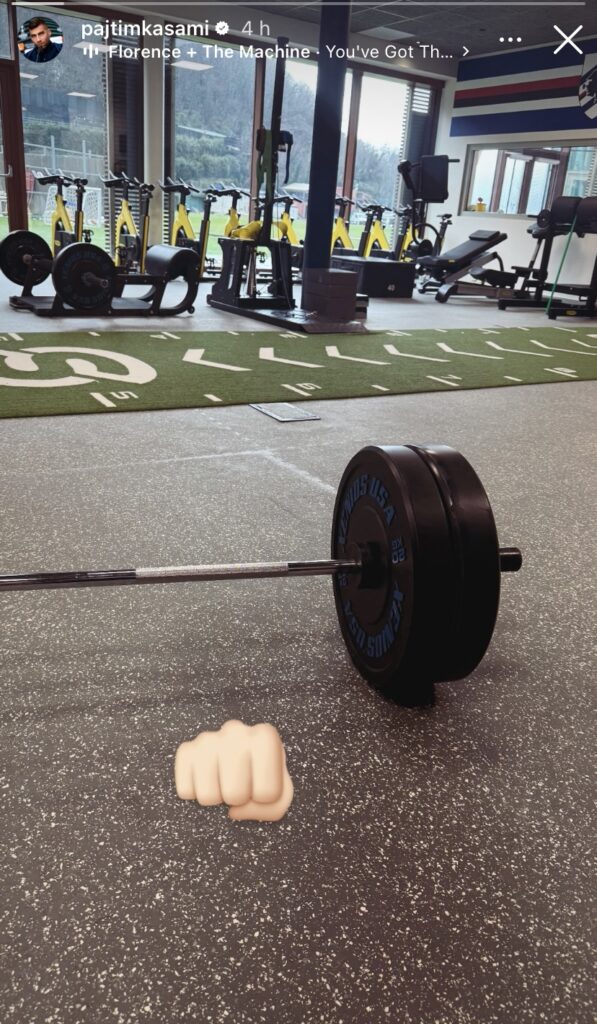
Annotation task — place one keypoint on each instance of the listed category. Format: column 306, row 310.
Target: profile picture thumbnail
column 40, row 39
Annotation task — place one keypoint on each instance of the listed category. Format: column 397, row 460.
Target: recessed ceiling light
column 24, row 74
column 386, row 33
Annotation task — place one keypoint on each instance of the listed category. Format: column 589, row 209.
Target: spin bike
column 340, row 237
column 182, row 233
column 130, row 244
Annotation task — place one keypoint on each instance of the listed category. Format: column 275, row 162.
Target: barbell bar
column 415, row 566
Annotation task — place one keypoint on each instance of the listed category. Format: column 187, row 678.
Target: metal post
column 327, row 127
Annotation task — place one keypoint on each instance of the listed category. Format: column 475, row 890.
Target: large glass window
column 524, row 180
column 64, row 121
column 4, row 30
column 213, row 129
column 381, row 134
column 300, row 87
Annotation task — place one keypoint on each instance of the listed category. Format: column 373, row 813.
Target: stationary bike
column 373, row 240
column 340, row 237
column 182, row 233
column 411, row 243
column 130, row 243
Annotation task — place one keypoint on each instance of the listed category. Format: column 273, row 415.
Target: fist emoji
column 240, row 765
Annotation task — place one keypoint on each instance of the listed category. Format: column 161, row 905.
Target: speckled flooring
column 434, row 867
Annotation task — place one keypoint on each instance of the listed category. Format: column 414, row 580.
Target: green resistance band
column 555, row 284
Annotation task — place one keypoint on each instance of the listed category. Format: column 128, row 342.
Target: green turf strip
column 118, row 371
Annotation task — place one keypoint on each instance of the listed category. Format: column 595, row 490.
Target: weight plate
column 476, row 589
column 397, row 617
column 84, row 277
column 15, row 248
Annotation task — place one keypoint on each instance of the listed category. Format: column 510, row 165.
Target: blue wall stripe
column 561, row 119
column 524, row 61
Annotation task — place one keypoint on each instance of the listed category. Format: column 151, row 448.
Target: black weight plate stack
column 84, row 277
column 476, row 590
column 15, row 251
column 396, row 618
column 425, row 605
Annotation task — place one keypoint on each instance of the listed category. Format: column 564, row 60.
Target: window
column 212, row 107
column 300, row 86
column 524, row 180
column 65, row 123
column 4, row 30
column 383, row 116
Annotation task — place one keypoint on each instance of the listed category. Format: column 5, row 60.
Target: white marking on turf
column 160, row 337
column 443, row 380
column 550, row 348
column 195, row 355
column 299, row 391
column 585, row 344
column 398, row 334
column 517, row 379
column 473, row 355
column 15, row 337
column 269, row 356
column 102, row 400
column 334, row 353
column 516, row 351
column 176, row 337
column 569, row 330
column 213, row 398
column 484, row 331
column 562, row 372
column 379, row 387
column 393, row 351
column 94, row 334
column 235, row 333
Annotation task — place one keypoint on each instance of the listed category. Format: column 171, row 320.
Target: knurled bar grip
column 175, row 574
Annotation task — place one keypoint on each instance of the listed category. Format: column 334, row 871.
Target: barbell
column 415, row 564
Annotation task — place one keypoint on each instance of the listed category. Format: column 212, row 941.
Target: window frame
column 509, row 147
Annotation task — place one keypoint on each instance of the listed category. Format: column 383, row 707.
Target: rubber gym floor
column 433, row 866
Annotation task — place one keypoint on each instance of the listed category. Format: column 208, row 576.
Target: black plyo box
column 380, row 279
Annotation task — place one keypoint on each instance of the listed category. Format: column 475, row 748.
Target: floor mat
column 123, row 371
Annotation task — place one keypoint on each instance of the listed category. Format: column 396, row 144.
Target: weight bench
column 443, row 273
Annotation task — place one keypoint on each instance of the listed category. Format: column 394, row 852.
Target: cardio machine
column 341, row 240
column 182, row 233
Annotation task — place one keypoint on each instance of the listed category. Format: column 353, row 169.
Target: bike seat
column 113, row 181
column 47, row 177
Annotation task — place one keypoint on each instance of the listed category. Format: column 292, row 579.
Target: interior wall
column 518, row 247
